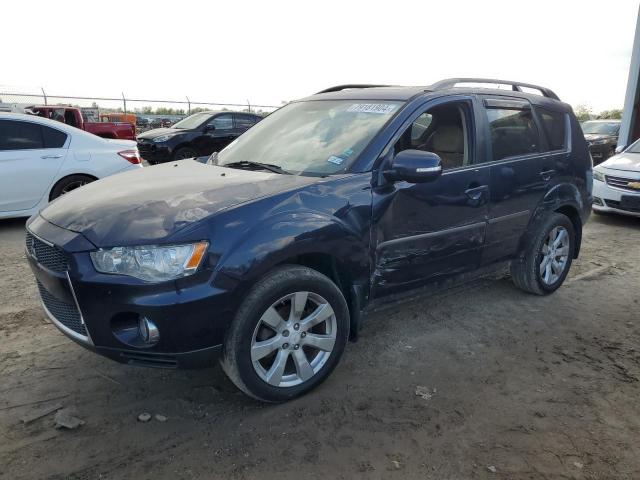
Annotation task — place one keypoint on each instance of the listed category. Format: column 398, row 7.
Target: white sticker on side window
column 371, row 108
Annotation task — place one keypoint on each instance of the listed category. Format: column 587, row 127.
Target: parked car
column 197, row 135
column 73, row 116
column 268, row 255
column 616, row 183
column 41, row 159
column 602, row 137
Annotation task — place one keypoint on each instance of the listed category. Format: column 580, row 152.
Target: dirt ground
column 511, row 386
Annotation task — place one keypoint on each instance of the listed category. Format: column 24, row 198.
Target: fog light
column 598, row 201
column 148, row 330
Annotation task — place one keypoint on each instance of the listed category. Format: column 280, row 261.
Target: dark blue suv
column 268, row 255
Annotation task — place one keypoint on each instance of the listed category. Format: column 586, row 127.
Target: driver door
column 429, row 231
column 220, row 132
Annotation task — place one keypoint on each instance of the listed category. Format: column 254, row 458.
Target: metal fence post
column 189, row 106
column 249, row 105
column 124, row 100
column 44, row 95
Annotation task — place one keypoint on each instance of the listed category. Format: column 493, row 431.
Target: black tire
column 68, row 184
column 184, row 152
column 236, row 358
column 525, row 270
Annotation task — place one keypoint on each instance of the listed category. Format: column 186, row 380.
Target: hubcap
column 555, row 255
column 293, row 339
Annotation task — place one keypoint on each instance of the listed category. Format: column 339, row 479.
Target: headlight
column 162, row 138
column 151, row 263
column 598, row 175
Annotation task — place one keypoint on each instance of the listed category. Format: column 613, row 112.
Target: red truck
column 73, row 116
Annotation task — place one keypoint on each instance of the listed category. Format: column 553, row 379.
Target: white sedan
column 616, row 183
column 41, row 159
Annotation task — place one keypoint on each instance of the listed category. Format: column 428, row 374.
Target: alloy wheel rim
column 555, row 255
column 73, row 185
column 293, row 339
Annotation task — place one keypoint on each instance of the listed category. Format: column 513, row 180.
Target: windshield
column 193, row 121
column 313, row 138
column 634, row 148
column 601, row 128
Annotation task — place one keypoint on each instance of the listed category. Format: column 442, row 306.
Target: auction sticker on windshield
column 383, row 108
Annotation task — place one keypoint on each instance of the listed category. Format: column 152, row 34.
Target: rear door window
column 17, row 135
column 554, row 125
column 513, row 132
column 53, row 138
column 244, row 122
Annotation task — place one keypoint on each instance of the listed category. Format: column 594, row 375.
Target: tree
column 614, row 114
column 583, row 112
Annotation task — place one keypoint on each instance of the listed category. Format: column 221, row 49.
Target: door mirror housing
column 209, row 128
column 414, row 166
column 620, row 148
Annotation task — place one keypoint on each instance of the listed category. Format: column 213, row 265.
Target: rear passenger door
column 523, row 164
column 30, row 157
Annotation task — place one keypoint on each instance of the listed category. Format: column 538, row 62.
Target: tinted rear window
column 16, row 135
column 554, row 125
column 513, row 132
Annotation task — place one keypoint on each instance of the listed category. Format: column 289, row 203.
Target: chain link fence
column 17, row 99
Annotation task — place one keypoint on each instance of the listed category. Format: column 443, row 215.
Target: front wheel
column 547, row 257
column 287, row 336
column 184, row 153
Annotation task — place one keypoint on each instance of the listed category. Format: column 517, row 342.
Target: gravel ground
column 479, row 382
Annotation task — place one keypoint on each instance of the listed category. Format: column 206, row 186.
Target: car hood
column 629, row 162
column 591, row 137
column 151, row 204
column 156, row 132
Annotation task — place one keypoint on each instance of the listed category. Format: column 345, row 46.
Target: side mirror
column 620, row 148
column 414, row 166
column 209, row 128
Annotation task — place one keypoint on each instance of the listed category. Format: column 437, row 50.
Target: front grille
column 623, row 183
column 50, row 257
column 616, row 204
column 65, row 313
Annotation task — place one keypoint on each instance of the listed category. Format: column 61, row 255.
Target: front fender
column 275, row 240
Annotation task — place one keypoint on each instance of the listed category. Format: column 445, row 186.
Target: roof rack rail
column 515, row 86
column 337, row 88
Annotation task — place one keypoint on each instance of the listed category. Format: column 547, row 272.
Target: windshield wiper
column 264, row 166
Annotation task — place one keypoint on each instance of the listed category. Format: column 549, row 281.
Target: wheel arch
column 60, row 180
column 564, row 198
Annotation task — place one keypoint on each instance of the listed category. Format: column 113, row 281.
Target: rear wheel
column 184, row 152
column 69, row 184
column 288, row 335
column 547, row 257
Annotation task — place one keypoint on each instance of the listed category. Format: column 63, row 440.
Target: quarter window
column 53, row 138
column 15, row 135
column 222, row 122
column 554, row 126
column 513, row 132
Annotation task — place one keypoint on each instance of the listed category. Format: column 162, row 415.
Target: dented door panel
column 426, row 232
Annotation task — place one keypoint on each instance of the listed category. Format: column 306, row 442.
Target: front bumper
column 154, row 153
column 607, row 199
column 599, row 153
column 191, row 314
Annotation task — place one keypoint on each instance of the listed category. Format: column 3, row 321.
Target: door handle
column 547, row 174
column 475, row 193
column 52, row 156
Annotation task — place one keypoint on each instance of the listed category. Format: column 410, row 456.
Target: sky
column 272, row 51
